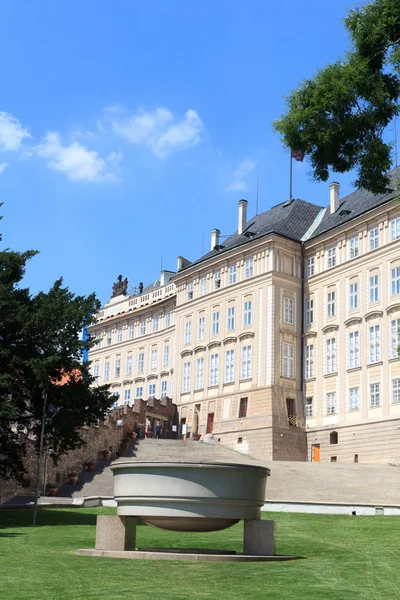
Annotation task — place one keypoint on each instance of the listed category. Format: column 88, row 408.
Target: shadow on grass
column 47, row 518
column 9, row 534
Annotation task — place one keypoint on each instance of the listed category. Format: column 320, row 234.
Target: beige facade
column 284, row 345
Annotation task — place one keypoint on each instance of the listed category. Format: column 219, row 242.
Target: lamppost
column 51, row 410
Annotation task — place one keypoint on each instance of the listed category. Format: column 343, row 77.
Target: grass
column 343, row 558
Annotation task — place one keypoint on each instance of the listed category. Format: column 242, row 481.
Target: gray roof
column 289, row 219
column 356, row 204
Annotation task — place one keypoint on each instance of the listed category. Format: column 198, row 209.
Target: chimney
column 334, row 196
column 242, row 216
column 215, row 233
column 162, row 278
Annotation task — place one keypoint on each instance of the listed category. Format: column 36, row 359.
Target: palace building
column 283, row 340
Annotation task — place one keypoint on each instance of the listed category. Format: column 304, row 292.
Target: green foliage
column 40, row 347
column 338, row 118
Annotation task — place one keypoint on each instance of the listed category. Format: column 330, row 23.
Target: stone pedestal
column 259, row 538
column 115, row 533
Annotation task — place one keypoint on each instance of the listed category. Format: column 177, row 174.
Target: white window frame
column 309, row 361
column 354, row 349
column 354, row 247
column 330, row 346
column 374, row 395
column 374, row 332
column 117, row 368
column 394, row 338
column 217, row 280
column 309, row 311
column 167, row 319
column 143, row 327
column 96, row 370
column 203, row 286
column 109, row 338
column 331, row 404
column 201, row 329
column 188, row 332
column 374, row 238
column 153, row 363
column 230, row 366
column 354, row 398
column 231, row 318
column 247, row 313
column 395, row 287
column 310, row 266
column 189, row 291
column 395, row 391
column 288, row 360
column 140, row 362
column 139, row 392
column 249, row 268
column 353, row 296
column 246, row 362
column 186, row 377
column 288, row 310
column 166, row 355
column 131, row 331
column 106, row 371
column 119, row 334
column 374, row 288
column 199, row 373
column 116, row 401
column 152, row 390
column 127, row 397
column 331, row 304
column 215, row 322
column 308, row 406
column 214, row 369
column 128, row 366
column 156, row 323
column 395, row 229
column 232, row 274
column 331, row 257
column 164, row 384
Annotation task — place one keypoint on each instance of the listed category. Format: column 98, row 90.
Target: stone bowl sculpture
column 189, row 496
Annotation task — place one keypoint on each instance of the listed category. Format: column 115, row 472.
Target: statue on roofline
column 119, row 287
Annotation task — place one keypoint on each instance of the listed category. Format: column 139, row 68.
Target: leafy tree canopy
column 338, row 118
column 41, row 352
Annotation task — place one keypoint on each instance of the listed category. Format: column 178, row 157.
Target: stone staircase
column 289, row 481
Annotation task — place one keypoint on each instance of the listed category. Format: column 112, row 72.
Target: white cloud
column 160, row 130
column 238, row 180
column 76, row 161
column 3, row 166
column 12, row 133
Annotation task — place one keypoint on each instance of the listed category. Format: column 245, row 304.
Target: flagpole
column 291, row 176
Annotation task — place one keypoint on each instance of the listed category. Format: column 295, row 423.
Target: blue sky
column 129, row 129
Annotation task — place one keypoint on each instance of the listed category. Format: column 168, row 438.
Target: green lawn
column 343, row 558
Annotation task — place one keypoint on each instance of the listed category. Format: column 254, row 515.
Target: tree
column 41, row 353
column 338, row 118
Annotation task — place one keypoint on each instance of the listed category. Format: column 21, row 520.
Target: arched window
column 333, row 438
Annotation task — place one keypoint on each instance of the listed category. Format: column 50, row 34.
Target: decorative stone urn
column 189, row 496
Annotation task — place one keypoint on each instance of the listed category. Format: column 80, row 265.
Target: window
column 127, row 397
column 249, row 268
column 231, row 318
column 310, row 266
column 394, row 338
column 395, row 229
column 373, row 238
column 288, row 311
column 166, row 356
column 232, row 274
column 153, row 364
column 331, row 258
column 140, row 365
column 331, row 355
column 106, row 371
column 116, row 399
column 189, row 291
column 288, row 360
column 156, row 322
column 374, row 394
column 164, row 388
column 243, row 408
column 354, row 247
column 96, row 372
column 128, row 370
column 374, row 289
column 199, row 373
column 309, row 311
column 246, row 362
column 186, row 377
column 374, row 343
column 215, row 323
column 331, row 403
column 217, row 280
column 203, row 286
column 119, row 335
column 354, row 398
column 167, row 319
column 308, row 409
column 117, row 368
column 395, row 281
column 152, row 390
column 131, row 331
column 143, row 327
column 247, row 313
column 333, row 459
column 395, row 390
column 353, row 296
column 354, row 349
column 214, row 364
column 331, row 304
column 188, row 332
column 230, row 366
column 309, row 361
column 201, row 328
column 109, row 338
column 333, row 437
column 139, row 391
column 98, row 342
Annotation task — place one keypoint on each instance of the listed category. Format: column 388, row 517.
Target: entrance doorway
column 183, row 428
column 315, row 453
column 210, row 422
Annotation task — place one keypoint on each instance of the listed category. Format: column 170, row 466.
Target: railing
column 296, row 421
